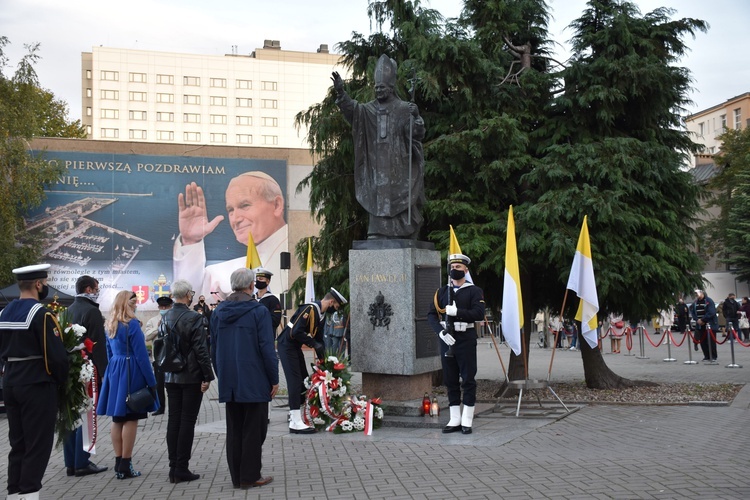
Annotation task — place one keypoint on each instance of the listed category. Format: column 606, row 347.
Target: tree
column 26, row 111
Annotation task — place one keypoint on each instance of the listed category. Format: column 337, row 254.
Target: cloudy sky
column 719, row 60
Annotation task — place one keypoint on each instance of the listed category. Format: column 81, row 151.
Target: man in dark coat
column 243, row 355
column 85, row 311
column 461, row 303
column 703, row 312
column 36, row 363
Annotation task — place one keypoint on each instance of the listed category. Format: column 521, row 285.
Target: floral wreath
column 327, row 405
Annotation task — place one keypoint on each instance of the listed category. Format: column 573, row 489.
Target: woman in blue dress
column 126, row 350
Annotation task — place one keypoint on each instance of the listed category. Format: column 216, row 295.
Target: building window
column 165, row 79
column 113, row 76
column 218, row 101
column 243, row 102
column 270, row 140
column 219, row 82
column 701, row 127
column 88, row 129
column 244, row 120
column 137, row 134
column 269, row 122
column 137, row 96
column 191, row 136
column 88, row 92
column 218, row 119
column 164, row 117
column 268, row 85
column 191, row 118
column 88, row 110
column 245, row 84
column 110, row 113
column 191, row 99
column 244, row 139
column 88, row 74
column 723, row 119
column 191, row 81
column 110, row 133
column 738, row 118
column 112, row 95
column 269, row 103
column 219, row 138
column 165, row 98
column 165, row 135
column 137, row 77
column 138, row 115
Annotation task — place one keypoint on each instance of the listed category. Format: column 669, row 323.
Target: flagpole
column 557, row 334
column 497, row 349
column 523, row 355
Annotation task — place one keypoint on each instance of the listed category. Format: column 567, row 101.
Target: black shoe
column 465, row 430
column 91, row 468
column 69, row 471
column 308, row 430
column 126, row 470
column 451, row 428
column 696, row 346
column 160, row 411
column 184, row 475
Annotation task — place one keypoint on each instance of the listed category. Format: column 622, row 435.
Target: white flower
column 333, row 359
column 307, row 382
column 87, row 372
column 362, row 404
column 328, row 377
column 348, row 412
column 79, row 330
column 347, row 426
column 379, row 413
column 318, row 421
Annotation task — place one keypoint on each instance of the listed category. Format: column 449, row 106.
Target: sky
column 719, row 60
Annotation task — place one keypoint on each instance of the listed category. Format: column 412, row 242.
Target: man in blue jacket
column 703, row 312
column 244, row 358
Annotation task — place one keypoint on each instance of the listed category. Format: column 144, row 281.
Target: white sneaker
column 572, row 348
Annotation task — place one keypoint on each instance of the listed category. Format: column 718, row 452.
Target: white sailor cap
column 337, row 295
column 35, row 272
column 459, row 258
column 262, row 272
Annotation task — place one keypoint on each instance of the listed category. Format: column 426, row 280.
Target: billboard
column 121, row 217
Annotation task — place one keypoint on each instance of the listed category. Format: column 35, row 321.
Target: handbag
column 167, row 353
column 744, row 323
column 619, row 324
column 142, row 399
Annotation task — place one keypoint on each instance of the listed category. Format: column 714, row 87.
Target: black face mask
column 260, row 285
column 44, row 292
column 457, row 274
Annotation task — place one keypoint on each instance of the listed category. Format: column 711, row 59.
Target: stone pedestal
column 391, row 285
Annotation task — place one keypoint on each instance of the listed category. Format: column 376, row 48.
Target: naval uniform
column 273, row 305
column 301, row 330
column 35, row 364
column 469, row 300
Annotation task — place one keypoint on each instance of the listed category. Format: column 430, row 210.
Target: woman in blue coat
column 128, row 358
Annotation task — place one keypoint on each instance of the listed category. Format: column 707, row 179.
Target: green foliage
column 26, row 111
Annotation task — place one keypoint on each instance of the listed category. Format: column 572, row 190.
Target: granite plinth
column 397, row 387
column 382, row 244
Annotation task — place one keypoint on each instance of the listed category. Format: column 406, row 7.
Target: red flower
column 339, row 366
column 89, row 344
column 314, row 411
column 376, row 401
column 335, row 384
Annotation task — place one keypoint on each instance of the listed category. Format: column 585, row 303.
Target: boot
column 297, row 426
column 454, row 424
column 126, row 469
column 117, row 464
column 466, row 419
column 183, row 475
column 28, row 496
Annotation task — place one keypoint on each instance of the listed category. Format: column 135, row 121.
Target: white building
column 231, row 100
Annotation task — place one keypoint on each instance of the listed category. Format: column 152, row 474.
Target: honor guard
column 454, row 309
column 304, row 328
column 36, row 362
column 265, row 297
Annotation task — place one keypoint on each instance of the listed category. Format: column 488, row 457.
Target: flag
column 582, row 282
column 454, row 247
column 512, row 319
column 309, row 285
column 253, row 260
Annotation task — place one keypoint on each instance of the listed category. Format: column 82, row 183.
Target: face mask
column 162, row 311
column 44, row 292
column 260, row 285
column 457, row 274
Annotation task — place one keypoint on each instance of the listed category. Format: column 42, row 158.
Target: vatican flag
column 582, row 282
column 512, row 319
column 309, row 285
column 253, row 259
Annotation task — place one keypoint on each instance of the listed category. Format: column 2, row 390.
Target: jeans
column 184, row 404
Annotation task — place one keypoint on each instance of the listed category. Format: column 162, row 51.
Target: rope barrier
column 648, row 337
column 677, row 344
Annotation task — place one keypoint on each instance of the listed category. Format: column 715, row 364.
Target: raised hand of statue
column 338, row 83
column 193, row 217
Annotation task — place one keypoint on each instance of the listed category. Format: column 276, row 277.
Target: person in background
column 745, row 325
column 128, row 371
column 36, row 363
column 730, row 308
column 666, row 319
column 151, row 330
column 703, row 312
column 617, row 329
column 246, row 365
column 265, row 297
column 85, row 311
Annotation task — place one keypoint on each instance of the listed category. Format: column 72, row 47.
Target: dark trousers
column 32, row 410
column 184, row 404
column 74, row 454
column 293, row 362
column 247, row 426
column 160, row 386
column 708, row 344
column 463, row 364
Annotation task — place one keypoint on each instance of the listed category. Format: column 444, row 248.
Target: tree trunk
column 597, row 373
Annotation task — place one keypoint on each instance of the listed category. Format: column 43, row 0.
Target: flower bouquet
column 329, row 404
column 76, row 395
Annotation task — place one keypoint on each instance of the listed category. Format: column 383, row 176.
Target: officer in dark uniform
column 265, row 297
column 35, row 364
column 303, row 329
column 460, row 303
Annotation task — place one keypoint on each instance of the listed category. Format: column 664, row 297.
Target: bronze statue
column 388, row 158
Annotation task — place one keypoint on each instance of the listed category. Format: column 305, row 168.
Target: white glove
column 451, row 310
column 447, row 338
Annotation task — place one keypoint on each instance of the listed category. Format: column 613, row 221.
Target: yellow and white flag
column 453, row 248
column 512, row 319
column 253, row 259
column 309, row 285
column 582, row 282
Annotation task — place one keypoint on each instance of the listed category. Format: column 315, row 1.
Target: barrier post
column 641, row 343
column 732, row 332
column 690, row 345
column 669, row 357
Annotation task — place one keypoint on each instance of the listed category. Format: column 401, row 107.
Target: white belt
column 460, row 326
column 290, row 325
column 27, row 358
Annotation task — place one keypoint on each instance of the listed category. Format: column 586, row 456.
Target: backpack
column 167, row 352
